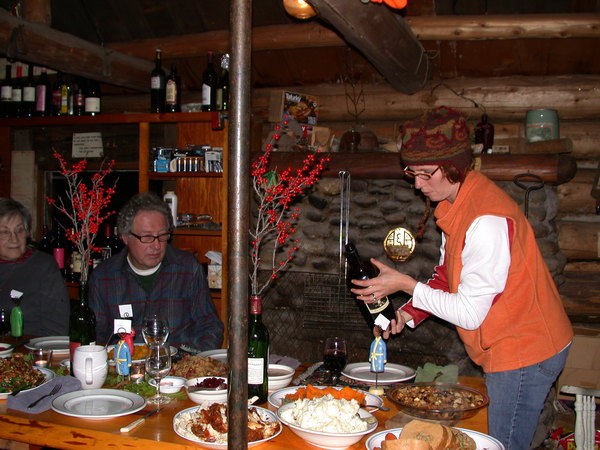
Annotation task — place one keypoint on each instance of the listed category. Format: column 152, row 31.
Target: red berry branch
column 84, row 206
column 276, row 219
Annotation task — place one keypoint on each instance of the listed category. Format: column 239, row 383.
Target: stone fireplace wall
column 311, row 302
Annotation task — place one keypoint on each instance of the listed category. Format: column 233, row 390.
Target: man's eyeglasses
column 148, row 239
column 5, row 234
column 425, row 176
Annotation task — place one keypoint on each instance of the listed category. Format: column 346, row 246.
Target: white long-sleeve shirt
column 486, row 260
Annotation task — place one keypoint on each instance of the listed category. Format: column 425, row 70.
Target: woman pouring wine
column 491, row 282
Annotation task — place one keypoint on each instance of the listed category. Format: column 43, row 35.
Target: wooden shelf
column 175, row 175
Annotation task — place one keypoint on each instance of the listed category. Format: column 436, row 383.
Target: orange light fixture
column 299, row 9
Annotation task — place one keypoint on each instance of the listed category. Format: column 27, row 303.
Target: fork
column 54, row 390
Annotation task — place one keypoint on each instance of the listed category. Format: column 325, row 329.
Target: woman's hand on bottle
column 387, row 282
column 396, row 325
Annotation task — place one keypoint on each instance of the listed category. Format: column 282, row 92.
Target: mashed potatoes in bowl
column 327, row 422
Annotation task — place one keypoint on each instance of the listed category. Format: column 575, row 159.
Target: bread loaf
column 405, row 444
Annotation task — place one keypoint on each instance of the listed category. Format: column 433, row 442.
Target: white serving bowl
column 280, row 376
column 329, row 440
column 169, row 385
column 218, row 396
column 275, row 399
column 5, row 353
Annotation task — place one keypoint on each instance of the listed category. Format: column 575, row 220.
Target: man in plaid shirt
column 153, row 277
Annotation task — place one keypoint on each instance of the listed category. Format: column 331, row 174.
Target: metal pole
column 240, row 23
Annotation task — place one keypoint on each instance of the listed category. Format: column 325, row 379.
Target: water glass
column 158, row 366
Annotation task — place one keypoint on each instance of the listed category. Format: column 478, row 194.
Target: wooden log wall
column 506, row 101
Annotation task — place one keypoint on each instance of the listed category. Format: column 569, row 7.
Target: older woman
column 45, row 301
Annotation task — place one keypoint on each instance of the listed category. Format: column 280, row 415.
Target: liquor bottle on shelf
column 17, row 93
column 28, row 94
column 65, row 98
column 173, row 91
column 381, row 310
column 56, row 94
column 43, row 95
column 78, row 92
column 59, row 249
column 484, row 134
column 6, row 91
column 45, row 244
column 82, row 323
column 209, row 85
column 258, row 353
column 117, row 244
column 223, row 84
column 157, row 85
column 93, row 98
column 72, row 259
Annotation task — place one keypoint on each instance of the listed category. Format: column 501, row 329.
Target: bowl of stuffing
column 437, row 401
column 327, row 422
column 207, row 389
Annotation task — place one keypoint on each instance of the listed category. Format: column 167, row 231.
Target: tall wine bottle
column 258, row 353
column 173, row 91
column 6, row 92
column 59, row 250
column 93, row 99
column 43, row 95
column 82, row 322
column 223, row 84
column 17, row 93
column 382, row 310
column 157, row 85
column 209, row 85
column 28, row 94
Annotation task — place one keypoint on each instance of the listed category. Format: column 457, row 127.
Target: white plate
column 394, row 373
column 483, row 441
column 98, row 403
column 219, row 354
column 111, row 361
column 372, row 402
column 265, row 414
column 48, row 374
column 58, row 344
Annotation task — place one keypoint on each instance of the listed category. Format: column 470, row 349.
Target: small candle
column 41, row 363
column 136, row 376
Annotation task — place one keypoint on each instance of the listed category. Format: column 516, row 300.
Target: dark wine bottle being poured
column 381, row 309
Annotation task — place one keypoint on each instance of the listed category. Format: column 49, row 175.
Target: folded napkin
column 24, row 399
column 284, row 360
column 441, row 374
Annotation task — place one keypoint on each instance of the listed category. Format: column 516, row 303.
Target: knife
column 140, row 421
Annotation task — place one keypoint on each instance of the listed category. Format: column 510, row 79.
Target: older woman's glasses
column 148, row 239
column 425, row 176
column 5, row 234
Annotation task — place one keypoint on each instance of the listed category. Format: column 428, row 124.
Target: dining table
column 56, row 430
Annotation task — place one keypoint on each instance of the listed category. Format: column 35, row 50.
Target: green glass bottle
column 16, row 321
column 82, row 322
column 258, row 353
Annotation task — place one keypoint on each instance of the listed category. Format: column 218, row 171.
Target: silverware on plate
column 54, row 391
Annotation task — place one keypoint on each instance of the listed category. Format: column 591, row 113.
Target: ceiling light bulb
column 299, row 9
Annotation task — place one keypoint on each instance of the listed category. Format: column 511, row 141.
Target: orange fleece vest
column 527, row 323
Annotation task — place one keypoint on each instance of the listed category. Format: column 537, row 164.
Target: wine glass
column 155, row 330
column 158, row 366
column 335, row 357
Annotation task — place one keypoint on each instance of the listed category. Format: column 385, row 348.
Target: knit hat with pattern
column 439, row 136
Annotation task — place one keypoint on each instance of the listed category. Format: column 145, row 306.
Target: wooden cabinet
column 197, row 192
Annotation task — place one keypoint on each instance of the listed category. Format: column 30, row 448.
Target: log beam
column 426, row 28
column 555, row 169
column 39, row 44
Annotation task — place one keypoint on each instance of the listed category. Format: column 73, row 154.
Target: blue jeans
column 517, row 398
